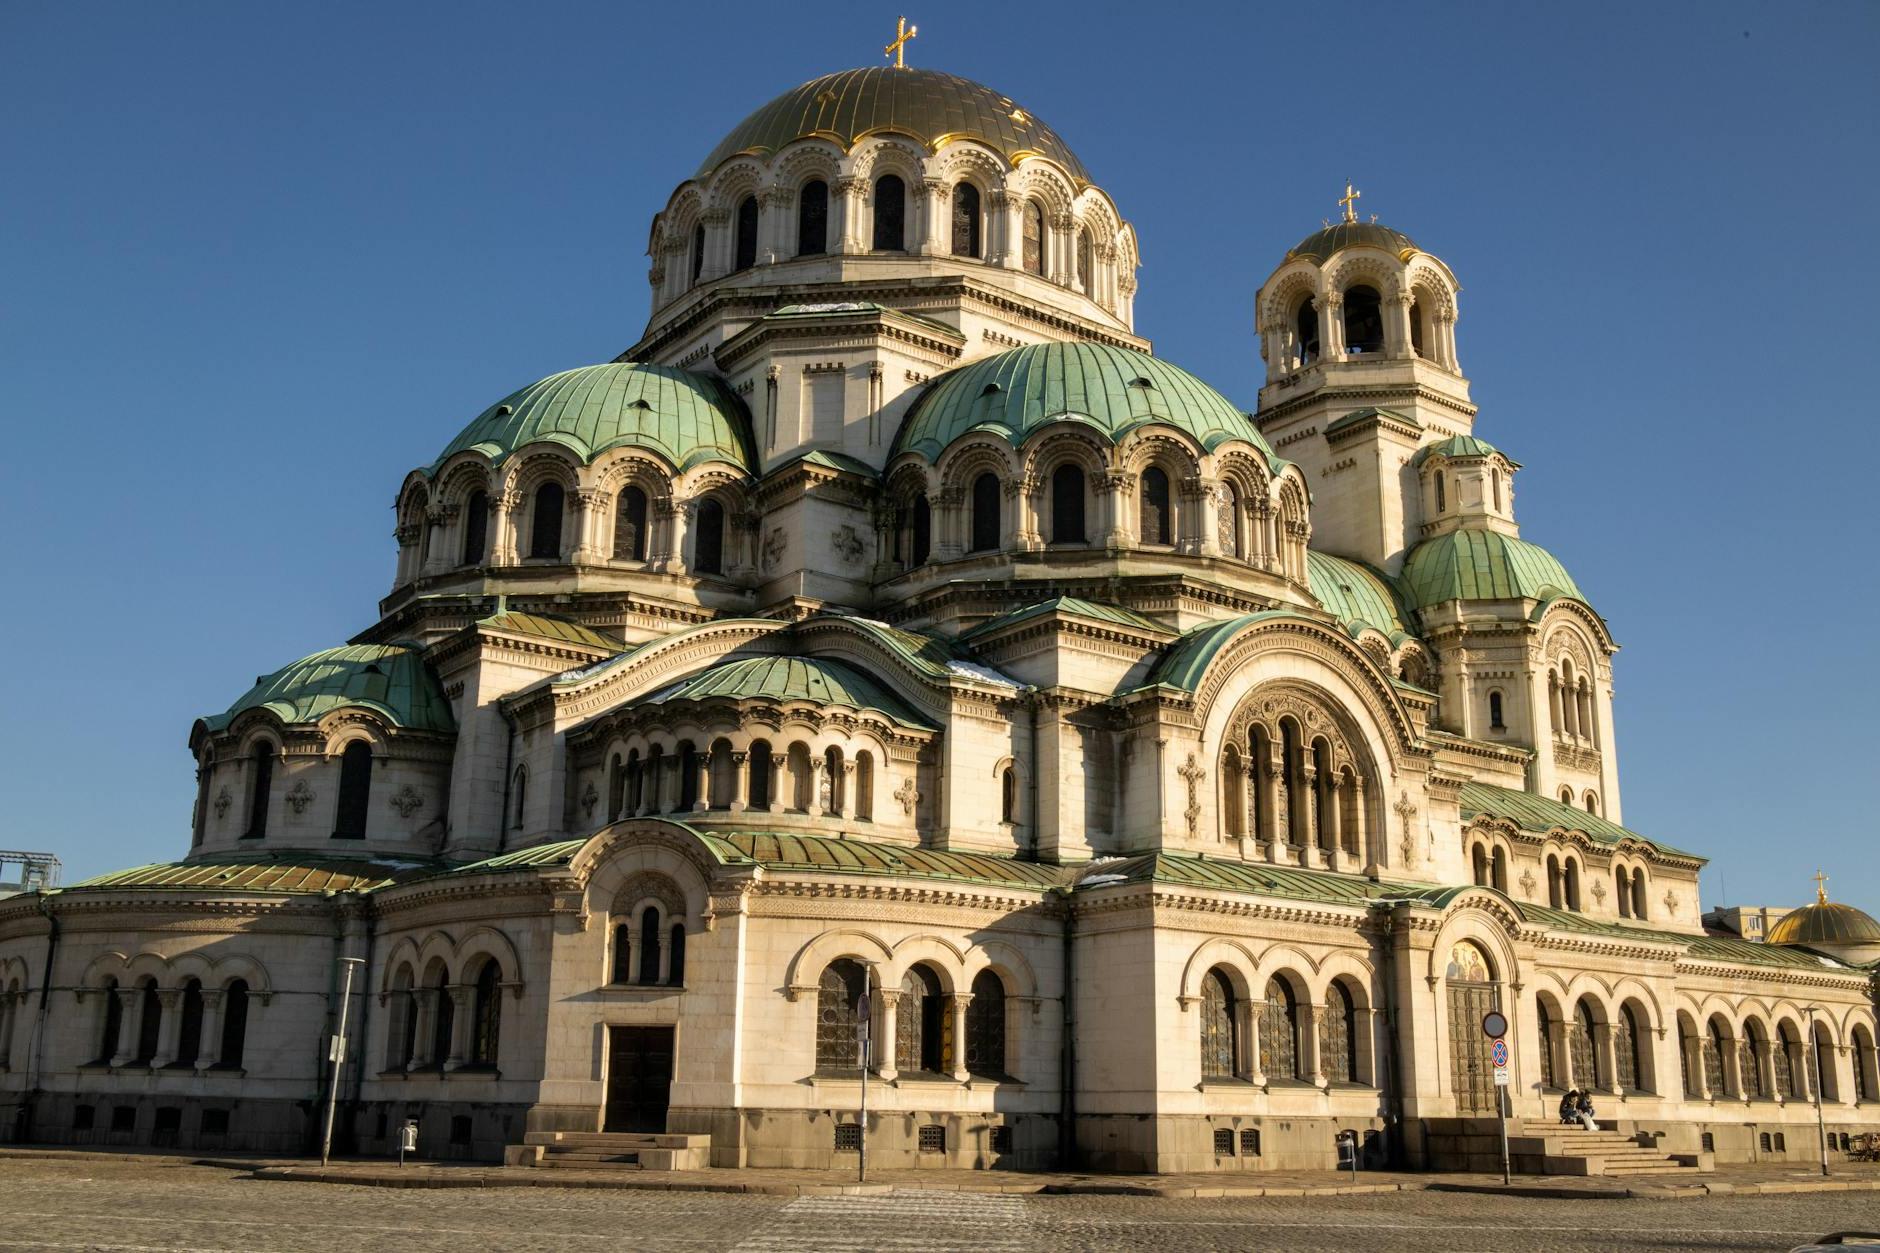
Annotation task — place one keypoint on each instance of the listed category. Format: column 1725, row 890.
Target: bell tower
column 1358, row 330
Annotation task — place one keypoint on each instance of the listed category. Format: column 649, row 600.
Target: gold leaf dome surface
column 1825, row 922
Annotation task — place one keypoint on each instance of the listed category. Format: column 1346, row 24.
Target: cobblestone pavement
column 133, row 1206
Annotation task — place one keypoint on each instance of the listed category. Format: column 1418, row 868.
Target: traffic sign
column 1498, row 1052
column 1501, row 1077
column 1494, row 1024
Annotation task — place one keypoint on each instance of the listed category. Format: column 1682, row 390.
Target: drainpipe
column 30, row 1105
column 1067, row 1051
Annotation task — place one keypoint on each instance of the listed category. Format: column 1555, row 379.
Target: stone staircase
column 604, row 1150
column 1545, row 1147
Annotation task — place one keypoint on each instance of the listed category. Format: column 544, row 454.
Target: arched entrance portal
column 1472, row 994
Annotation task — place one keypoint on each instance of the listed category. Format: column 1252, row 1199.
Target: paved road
column 135, row 1206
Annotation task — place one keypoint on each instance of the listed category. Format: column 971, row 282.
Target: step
column 622, row 1141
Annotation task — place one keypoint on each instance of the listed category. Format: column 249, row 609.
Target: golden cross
column 902, row 33
column 1349, row 199
column 1821, row 887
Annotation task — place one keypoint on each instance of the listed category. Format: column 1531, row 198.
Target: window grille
column 933, row 1138
column 985, row 1026
column 1002, row 1139
column 1782, row 1143
column 837, row 993
column 1765, row 1142
column 1217, row 1027
column 1223, row 1142
column 1337, row 1057
column 1250, row 1142
column 1707, row 1142
column 848, row 1137
column 1279, row 1033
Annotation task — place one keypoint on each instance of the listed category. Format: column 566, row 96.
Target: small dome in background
column 1320, row 245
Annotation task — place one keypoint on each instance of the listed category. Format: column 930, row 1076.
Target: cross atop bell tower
column 1350, row 200
column 902, row 33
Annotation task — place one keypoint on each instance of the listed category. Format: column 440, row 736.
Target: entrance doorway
column 1472, row 994
column 639, row 1078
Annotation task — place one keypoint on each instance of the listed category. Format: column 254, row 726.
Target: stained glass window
column 1337, row 1057
column 1784, row 1072
column 630, row 526
column 1713, row 1059
column 1034, row 237
column 812, row 219
column 1217, row 1027
column 1580, row 1046
column 965, row 220
column 890, row 213
column 1546, row 1026
column 1749, row 1062
column 836, row 996
column 1625, row 1049
column 1156, row 528
column 985, row 1026
column 1279, row 1032
column 487, row 1015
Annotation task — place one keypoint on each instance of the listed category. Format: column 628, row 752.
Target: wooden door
column 1471, row 1071
column 639, row 1078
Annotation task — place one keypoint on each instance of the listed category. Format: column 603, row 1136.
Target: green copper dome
column 686, row 418
column 1320, row 245
column 1355, row 594
column 392, row 680
column 925, row 105
column 1114, row 390
column 782, row 680
column 1483, row 565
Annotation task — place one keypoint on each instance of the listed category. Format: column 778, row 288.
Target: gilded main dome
column 1825, row 922
column 925, row 105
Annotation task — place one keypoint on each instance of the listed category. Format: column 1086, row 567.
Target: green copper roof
column 1253, row 878
column 1357, row 416
column 1540, row 814
column 778, row 851
column 551, row 628
column 1483, row 565
column 1113, row 390
column 1320, row 245
column 1187, row 659
column 923, row 104
column 299, row 874
column 1355, row 594
column 1707, row 947
column 392, row 680
column 828, row 460
column 1458, row 446
column 1071, row 606
column 686, row 418
column 815, row 680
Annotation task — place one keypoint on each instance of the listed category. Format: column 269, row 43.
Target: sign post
column 336, row 1052
column 1495, row 1027
column 861, row 1061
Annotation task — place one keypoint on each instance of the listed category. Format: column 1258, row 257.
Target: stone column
column 1608, row 1056
column 210, row 1049
column 1251, row 1012
column 1204, row 535
column 1335, row 825
column 1004, row 209
column 718, row 244
column 503, row 534
column 1309, row 852
column 773, row 221
column 845, row 801
column 847, row 202
column 1112, row 489
column 678, row 515
column 885, row 1061
column 170, row 1032
column 935, row 197
column 818, row 782
column 1277, row 829
column 1058, row 264
column 462, row 1008
column 1396, row 313
column 777, row 763
column 1022, row 491
column 702, row 781
column 956, row 1006
column 424, row 1005
column 669, row 784
column 1311, row 1023
column 739, row 783
column 588, row 502
column 1331, row 327
column 128, row 999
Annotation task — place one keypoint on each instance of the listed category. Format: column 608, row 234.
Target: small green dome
column 392, row 680
column 782, row 680
column 1321, row 244
column 1483, row 565
column 1355, row 594
column 1459, row 446
column 925, row 105
column 1113, row 390
column 686, row 418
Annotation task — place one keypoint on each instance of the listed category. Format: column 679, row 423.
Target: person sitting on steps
column 1584, row 1110
column 1570, row 1106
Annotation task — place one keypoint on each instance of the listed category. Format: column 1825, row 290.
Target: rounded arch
column 490, row 943
column 1489, row 929
column 946, row 959
column 804, row 970
column 1004, row 960
column 1231, row 956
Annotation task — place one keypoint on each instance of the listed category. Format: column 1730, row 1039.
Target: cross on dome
column 1350, row 199
column 1821, row 888
column 902, row 33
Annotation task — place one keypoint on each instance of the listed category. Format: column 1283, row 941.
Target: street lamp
column 336, row 1050
column 1814, row 1052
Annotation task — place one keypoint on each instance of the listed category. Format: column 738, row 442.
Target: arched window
column 1494, row 478
column 865, row 786
column 1713, row 1058
column 698, row 251
column 401, row 1032
column 616, row 787
column 688, row 776
column 1008, row 795
column 746, row 234
column 486, row 1015
column 1752, row 1048
column 234, row 1026
column 1478, row 864
column 520, row 787
column 920, row 531
column 1156, row 523
column 355, row 791
column 1306, row 327
column 985, row 1026
column 1067, row 505
column 1338, row 1059
column 1588, row 1071
column 649, row 945
column 1866, row 1070
column 1279, row 1032
column 1495, row 722
column 630, row 526
column 1544, row 1027
column 635, row 792
column 920, row 1023
column 1821, row 1077
column 1219, row 1056
column 985, row 512
column 1556, row 898
column 623, row 954
column 1638, row 895
column 1233, row 794
column 1231, row 539
column 1084, row 251
column 1442, row 498
column 761, row 785
column 189, row 1031
column 675, row 960
column 260, row 790
column 1416, row 327
column 443, row 1018
column 723, row 773
column 1572, row 876
column 833, row 787
column 545, row 522
column 812, row 219
column 149, row 1023
column 1033, row 227
column 890, row 214
column 966, row 221
column 1364, row 320
column 708, row 546
column 796, row 759
column 113, row 1024
column 476, row 528
column 837, row 994
column 1592, row 804
column 1625, row 1038
column 1622, row 890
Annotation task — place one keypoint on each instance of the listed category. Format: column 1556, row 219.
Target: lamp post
column 336, row 1052
column 1814, row 1052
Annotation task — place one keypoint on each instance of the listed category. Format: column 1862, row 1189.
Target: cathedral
column 890, row 644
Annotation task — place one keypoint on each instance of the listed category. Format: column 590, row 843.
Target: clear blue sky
column 257, row 260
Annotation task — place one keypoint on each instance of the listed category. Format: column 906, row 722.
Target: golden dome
column 1825, row 922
